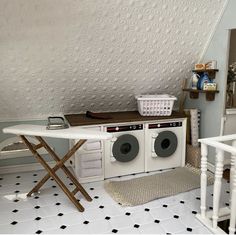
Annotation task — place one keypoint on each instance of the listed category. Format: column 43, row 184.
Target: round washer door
column 125, row 148
column 165, row 144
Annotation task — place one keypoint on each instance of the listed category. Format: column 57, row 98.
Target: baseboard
column 24, row 167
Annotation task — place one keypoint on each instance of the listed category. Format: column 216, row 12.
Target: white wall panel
column 69, row 56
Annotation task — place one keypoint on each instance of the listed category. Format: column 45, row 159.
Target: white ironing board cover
column 69, row 133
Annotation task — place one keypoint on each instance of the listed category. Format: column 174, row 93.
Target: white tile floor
column 50, row 212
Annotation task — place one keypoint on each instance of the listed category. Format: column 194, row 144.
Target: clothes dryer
column 124, row 154
column 165, row 144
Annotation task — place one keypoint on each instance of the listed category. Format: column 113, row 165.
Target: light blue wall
column 60, row 145
column 213, row 111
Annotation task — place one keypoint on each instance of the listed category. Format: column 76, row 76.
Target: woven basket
column 193, row 156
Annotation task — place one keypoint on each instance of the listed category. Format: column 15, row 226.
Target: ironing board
column 70, row 133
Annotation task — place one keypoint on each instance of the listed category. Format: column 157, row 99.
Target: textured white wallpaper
column 69, row 56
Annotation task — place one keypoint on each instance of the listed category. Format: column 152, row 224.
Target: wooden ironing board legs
column 59, row 165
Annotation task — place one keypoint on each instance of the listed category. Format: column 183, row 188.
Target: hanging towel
column 194, row 127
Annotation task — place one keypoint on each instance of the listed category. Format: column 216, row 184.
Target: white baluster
column 217, row 186
column 233, row 193
column 232, row 171
column 203, row 179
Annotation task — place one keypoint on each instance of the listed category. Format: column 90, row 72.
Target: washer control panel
column 164, row 125
column 125, row 128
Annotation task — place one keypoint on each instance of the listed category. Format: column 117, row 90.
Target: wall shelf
column 205, row 70
column 194, row 94
column 210, row 94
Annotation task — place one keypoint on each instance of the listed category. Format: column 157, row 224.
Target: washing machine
column 124, row 154
column 165, row 144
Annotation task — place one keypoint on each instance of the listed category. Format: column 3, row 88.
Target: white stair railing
column 211, row 218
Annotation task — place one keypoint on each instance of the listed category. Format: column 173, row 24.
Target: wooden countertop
column 116, row 117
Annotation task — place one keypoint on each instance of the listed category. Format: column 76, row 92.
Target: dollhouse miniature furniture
column 71, row 133
column 119, row 156
column 211, row 218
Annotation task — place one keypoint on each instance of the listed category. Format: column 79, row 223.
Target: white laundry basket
column 155, row 105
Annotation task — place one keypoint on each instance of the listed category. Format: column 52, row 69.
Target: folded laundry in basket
column 90, row 172
column 90, row 157
column 91, row 164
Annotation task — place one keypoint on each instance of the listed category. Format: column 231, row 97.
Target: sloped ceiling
column 60, row 56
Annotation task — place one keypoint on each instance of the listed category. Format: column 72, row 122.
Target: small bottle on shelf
column 204, row 78
column 194, row 81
